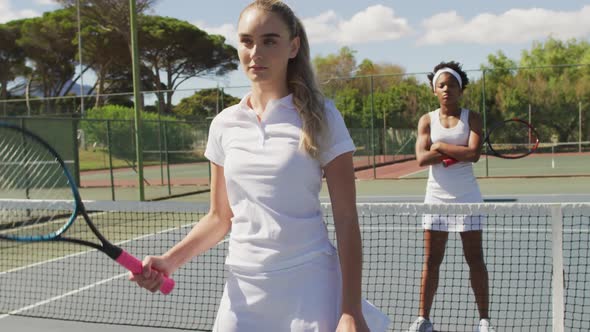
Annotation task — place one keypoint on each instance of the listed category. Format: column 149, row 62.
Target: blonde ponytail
column 301, row 79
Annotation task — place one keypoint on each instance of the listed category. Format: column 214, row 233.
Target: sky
column 416, row 35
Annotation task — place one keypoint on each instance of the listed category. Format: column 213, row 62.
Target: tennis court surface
column 524, row 244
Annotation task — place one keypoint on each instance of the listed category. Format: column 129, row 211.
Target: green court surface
column 535, row 165
column 151, row 193
column 547, row 174
column 179, row 174
column 183, row 179
column 413, row 190
column 488, row 186
column 116, row 227
column 519, row 257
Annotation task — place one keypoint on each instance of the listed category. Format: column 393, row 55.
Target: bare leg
column 472, row 249
column 434, row 252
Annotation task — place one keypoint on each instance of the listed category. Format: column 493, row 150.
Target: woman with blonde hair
column 268, row 155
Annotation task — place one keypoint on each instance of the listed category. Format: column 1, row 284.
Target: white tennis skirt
column 453, row 223
column 303, row 298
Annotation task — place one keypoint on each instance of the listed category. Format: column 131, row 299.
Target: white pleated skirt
column 453, row 223
column 304, row 298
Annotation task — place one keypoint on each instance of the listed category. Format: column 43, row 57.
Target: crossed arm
column 428, row 153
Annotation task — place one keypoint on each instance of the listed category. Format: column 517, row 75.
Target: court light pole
column 137, row 97
column 82, row 110
column 579, row 126
column 484, row 111
column 373, row 128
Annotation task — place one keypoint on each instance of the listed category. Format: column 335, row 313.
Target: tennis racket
column 509, row 139
column 31, row 171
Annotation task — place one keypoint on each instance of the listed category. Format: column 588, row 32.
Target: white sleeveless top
column 453, row 184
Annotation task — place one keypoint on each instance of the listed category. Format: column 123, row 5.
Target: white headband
column 446, row 70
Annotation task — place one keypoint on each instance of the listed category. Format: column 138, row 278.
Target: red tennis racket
column 509, row 139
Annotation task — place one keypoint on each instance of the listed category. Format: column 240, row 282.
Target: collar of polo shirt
column 286, row 101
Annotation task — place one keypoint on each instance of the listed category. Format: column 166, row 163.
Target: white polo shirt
column 272, row 185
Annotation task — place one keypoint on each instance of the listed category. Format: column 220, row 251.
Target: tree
column 502, row 95
column 109, row 19
column 47, row 43
column 549, row 83
column 372, row 94
column 557, row 56
column 97, row 39
column 335, row 71
column 349, row 101
column 109, row 14
column 334, row 66
column 204, row 103
column 385, row 75
column 499, row 66
column 120, row 78
column 12, row 59
column 181, row 51
column 172, row 50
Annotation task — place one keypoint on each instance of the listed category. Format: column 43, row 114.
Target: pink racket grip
column 448, row 162
column 136, row 267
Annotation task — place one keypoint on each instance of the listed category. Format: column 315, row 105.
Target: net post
column 557, row 258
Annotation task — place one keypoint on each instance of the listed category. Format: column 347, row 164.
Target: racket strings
column 17, row 222
column 514, row 139
column 51, row 216
column 29, row 168
column 29, row 171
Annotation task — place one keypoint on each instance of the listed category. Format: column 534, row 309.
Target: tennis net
column 523, row 245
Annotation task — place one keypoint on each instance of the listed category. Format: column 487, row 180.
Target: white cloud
column 45, row 2
column 513, row 26
column 7, row 13
column 320, row 28
column 376, row 23
column 228, row 30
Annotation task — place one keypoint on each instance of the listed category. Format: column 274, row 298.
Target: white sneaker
column 485, row 326
column 421, row 325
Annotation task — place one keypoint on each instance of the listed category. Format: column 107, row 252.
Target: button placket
column 262, row 133
column 262, row 120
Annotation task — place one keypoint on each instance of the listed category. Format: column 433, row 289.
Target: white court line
column 555, row 194
column 90, row 250
column 485, row 229
column 73, row 292
column 410, row 174
column 46, row 262
column 58, row 297
column 373, row 198
column 79, row 290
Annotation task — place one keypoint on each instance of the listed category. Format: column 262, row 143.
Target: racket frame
column 114, row 252
column 450, row 161
column 77, row 203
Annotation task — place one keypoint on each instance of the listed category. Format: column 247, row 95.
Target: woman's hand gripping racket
column 510, row 139
column 30, row 171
